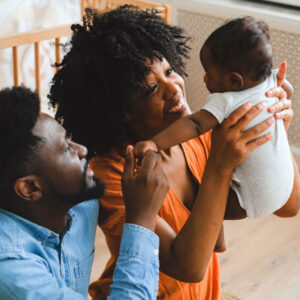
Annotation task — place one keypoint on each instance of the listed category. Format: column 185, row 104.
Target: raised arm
column 283, row 110
column 180, row 131
column 136, row 273
column 186, row 256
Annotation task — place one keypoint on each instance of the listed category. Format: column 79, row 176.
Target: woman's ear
column 237, row 81
column 28, row 188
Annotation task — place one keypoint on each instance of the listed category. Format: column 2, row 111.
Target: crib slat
column 57, row 52
column 15, row 65
column 37, row 67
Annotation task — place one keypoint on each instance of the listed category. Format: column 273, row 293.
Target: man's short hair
column 19, row 111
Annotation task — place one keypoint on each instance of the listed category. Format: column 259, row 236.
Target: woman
column 120, row 83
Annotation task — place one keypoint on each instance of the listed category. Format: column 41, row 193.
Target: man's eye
column 169, row 71
column 68, row 148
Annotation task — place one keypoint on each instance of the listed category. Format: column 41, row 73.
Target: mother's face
column 164, row 102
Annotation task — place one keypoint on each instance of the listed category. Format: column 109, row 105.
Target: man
column 47, row 226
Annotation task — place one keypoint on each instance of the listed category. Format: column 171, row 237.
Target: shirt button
column 155, row 251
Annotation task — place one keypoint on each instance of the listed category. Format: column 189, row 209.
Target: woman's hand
column 283, row 108
column 231, row 144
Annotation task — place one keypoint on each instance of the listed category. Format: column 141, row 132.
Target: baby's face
column 216, row 79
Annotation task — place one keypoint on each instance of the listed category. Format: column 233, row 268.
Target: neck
column 248, row 84
column 51, row 217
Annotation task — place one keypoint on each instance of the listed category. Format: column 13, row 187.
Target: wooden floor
column 262, row 261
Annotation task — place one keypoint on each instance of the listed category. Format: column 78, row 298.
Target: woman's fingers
column 242, row 116
column 253, row 132
column 281, row 73
column 234, row 117
column 252, row 145
column 284, row 104
column 278, row 92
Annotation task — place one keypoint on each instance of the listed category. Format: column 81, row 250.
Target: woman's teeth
column 176, row 108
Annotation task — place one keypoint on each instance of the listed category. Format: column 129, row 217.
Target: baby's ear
column 237, row 81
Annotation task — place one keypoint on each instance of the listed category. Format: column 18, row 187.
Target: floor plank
column 262, row 260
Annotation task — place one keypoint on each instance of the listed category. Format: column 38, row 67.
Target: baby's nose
column 205, row 78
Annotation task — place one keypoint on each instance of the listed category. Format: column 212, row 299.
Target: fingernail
column 248, row 105
column 271, row 109
column 269, row 93
column 271, row 120
column 262, row 105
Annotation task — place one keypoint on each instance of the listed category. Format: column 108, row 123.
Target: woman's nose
column 170, row 89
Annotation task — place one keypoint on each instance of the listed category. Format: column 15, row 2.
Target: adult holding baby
column 121, row 83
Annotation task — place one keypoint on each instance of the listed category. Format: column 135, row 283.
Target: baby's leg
column 220, row 243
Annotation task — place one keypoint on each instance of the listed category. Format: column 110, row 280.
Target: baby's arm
column 180, row 131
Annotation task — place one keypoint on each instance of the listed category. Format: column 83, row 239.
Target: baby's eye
column 169, row 71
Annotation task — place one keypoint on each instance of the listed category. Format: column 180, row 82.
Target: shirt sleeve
column 27, row 278
column 219, row 105
column 137, row 271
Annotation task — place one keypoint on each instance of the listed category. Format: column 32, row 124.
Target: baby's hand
column 141, row 148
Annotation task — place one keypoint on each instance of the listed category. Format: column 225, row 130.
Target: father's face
column 64, row 169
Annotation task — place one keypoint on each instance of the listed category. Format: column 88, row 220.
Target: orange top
column 112, row 217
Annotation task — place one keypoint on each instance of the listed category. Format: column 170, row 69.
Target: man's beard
column 86, row 192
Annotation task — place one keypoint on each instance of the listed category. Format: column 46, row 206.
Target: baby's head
column 236, row 56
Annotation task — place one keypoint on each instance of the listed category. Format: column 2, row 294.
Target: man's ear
column 28, row 188
column 237, row 81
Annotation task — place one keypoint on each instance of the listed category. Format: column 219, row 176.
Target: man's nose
column 81, row 150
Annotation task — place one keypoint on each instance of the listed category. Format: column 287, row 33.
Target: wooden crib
column 36, row 37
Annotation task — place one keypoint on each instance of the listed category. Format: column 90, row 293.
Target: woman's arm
column 186, row 256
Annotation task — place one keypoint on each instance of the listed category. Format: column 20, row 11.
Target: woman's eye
column 169, row 71
column 150, row 90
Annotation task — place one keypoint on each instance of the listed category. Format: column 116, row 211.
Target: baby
column 237, row 59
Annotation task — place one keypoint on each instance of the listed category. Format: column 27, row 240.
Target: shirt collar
column 40, row 233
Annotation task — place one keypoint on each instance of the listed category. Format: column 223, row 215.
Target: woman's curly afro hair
column 106, row 67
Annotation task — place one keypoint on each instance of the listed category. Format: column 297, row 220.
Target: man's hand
column 141, row 148
column 145, row 189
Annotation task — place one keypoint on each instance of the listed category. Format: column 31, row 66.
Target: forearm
column 234, row 211
column 191, row 250
column 136, row 273
column 180, row 131
column 292, row 206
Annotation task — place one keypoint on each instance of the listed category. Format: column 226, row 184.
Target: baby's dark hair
column 243, row 45
column 19, row 111
column 105, row 69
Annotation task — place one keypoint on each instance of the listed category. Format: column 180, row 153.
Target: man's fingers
column 281, row 73
column 129, row 162
column 148, row 162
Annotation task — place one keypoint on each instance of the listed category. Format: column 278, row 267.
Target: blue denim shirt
column 36, row 263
